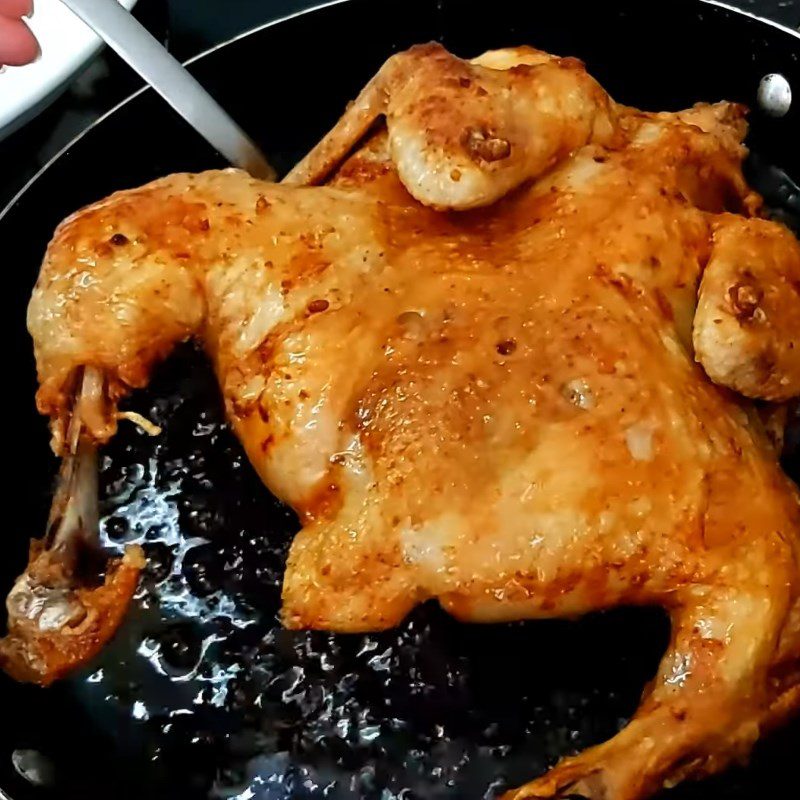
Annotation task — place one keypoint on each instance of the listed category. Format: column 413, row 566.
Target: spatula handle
column 125, row 35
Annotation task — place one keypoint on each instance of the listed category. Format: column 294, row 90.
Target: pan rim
column 8, row 208
column 279, row 20
column 745, row 13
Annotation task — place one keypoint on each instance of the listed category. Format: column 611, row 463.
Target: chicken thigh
column 504, row 358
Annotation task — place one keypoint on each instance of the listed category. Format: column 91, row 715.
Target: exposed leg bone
column 68, row 603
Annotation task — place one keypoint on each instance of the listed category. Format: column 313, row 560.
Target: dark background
column 186, row 27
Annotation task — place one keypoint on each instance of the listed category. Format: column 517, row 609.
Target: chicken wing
column 459, row 132
column 476, row 364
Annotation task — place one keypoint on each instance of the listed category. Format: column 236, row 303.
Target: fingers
column 13, row 9
column 17, row 44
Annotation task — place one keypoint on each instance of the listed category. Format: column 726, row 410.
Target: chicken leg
column 68, row 603
column 710, row 701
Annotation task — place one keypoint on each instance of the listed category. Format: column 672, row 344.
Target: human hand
column 17, row 44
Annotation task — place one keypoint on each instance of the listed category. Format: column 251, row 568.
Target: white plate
column 67, row 44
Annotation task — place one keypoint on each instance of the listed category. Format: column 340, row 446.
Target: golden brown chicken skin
column 519, row 408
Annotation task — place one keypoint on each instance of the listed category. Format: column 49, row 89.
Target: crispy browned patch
column 31, row 654
column 744, row 298
column 483, row 146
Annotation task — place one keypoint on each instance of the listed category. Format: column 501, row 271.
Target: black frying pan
column 201, row 694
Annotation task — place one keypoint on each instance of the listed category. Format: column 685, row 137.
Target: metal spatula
column 125, row 35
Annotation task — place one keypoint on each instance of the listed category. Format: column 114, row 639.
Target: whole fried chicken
column 504, row 354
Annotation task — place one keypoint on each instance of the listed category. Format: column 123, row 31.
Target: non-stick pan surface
column 202, row 694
